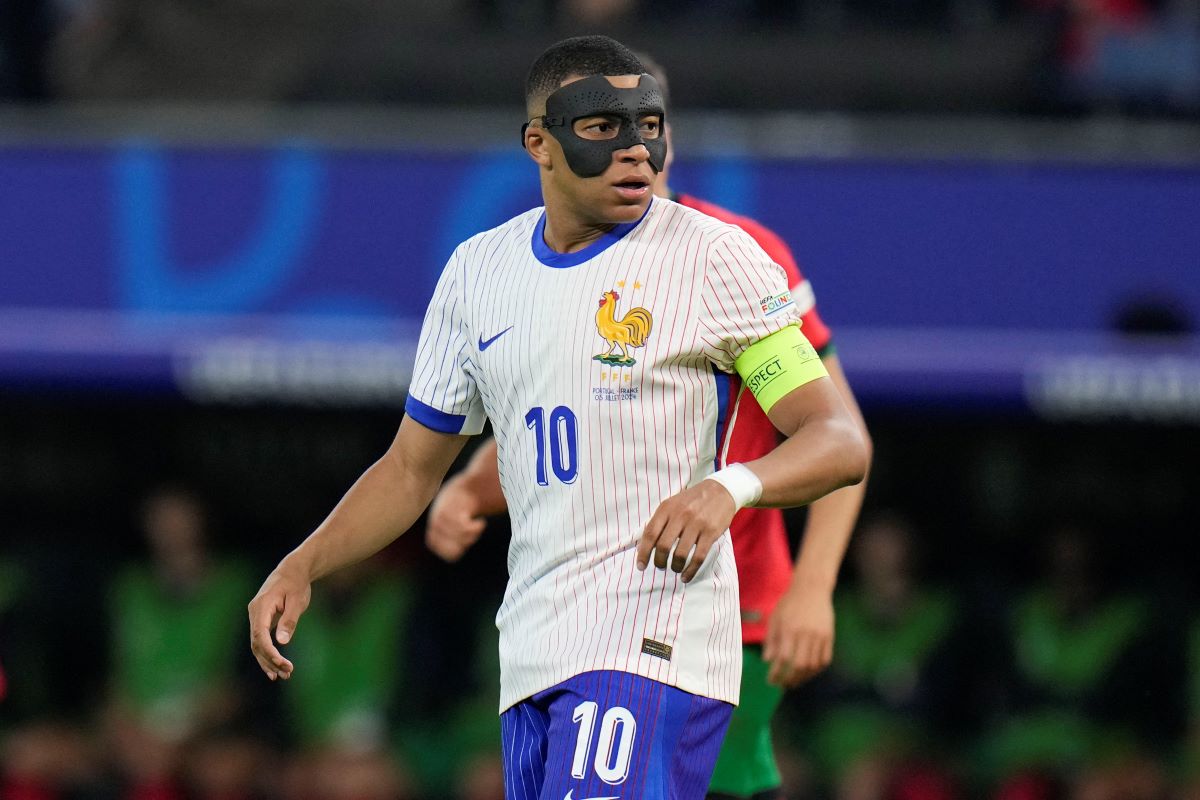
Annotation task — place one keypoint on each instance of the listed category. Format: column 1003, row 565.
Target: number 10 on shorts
column 614, row 748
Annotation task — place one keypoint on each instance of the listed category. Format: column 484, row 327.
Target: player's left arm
column 800, row 632
column 823, row 451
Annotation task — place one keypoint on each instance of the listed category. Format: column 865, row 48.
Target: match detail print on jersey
column 776, row 365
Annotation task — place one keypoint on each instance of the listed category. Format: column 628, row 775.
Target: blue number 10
column 562, row 422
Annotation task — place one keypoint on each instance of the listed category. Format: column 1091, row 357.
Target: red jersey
column 760, row 542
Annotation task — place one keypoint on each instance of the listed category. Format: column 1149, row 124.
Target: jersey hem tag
column 656, row 649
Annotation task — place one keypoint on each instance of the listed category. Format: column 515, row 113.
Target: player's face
column 620, row 193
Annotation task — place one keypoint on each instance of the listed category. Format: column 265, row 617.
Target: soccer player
column 598, row 335
column 787, row 615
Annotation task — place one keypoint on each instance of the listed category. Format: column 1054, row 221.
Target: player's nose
column 636, row 154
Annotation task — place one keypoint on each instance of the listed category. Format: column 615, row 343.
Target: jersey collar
column 544, row 254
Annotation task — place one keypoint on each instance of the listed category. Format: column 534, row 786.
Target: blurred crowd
column 1111, row 55
column 182, row 714
column 1068, row 685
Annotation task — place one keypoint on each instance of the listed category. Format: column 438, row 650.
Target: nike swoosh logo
column 614, row 797
column 484, row 344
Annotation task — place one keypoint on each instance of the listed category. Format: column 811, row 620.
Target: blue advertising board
column 302, row 272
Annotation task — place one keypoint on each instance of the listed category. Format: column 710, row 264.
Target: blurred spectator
column 48, row 761
column 42, row 759
column 1083, row 667
column 12, row 583
column 459, row 747
column 598, row 13
column 1136, row 55
column 875, row 732
column 349, row 679
column 173, row 50
column 353, row 675
column 1133, row 55
column 1189, row 759
column 227, row 766
column 228, row 50
column 176, row 622
column 43, row 754
column 1085, row 22
column 340, row 774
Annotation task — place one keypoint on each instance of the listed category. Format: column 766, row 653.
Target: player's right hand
column 277, row 607
column 454, row 523
column 684, row 528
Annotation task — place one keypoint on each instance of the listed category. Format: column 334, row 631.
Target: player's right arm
column 443, row 408
column 382, row 504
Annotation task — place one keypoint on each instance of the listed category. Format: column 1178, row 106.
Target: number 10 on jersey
column 558, row 436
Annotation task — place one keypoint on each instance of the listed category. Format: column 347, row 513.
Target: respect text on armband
column 773, row 368
column 764, row 374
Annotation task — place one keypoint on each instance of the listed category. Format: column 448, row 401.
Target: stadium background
column 219, row 226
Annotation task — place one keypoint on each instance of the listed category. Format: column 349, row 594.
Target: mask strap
column 547, row 122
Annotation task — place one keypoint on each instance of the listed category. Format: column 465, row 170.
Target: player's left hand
column 799, row 642
column 694, row 518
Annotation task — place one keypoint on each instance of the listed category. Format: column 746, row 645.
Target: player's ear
column 537, row 145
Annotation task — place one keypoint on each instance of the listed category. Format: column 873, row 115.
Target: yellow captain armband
column 773, row 366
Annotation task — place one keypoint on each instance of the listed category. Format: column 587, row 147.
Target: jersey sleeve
column 443, row 395
column 815, row 330
column 745, row 298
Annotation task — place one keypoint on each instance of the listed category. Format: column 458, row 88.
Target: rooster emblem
column 630, row 330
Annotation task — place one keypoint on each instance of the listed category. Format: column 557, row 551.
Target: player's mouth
column 632, row 188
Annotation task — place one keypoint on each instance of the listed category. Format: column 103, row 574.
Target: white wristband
column 741, row 482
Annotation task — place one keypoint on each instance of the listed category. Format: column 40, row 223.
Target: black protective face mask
column 595, row 96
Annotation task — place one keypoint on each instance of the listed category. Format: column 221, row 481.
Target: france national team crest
column 620, row 333
column 629, row 331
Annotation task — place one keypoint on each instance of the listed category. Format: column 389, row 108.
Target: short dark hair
column 580, row 55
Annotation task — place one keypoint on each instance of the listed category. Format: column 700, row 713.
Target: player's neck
column 567, row 232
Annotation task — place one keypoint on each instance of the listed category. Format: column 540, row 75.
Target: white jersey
column 604, row 375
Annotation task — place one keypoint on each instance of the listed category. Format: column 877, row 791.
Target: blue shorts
column 611, row 735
